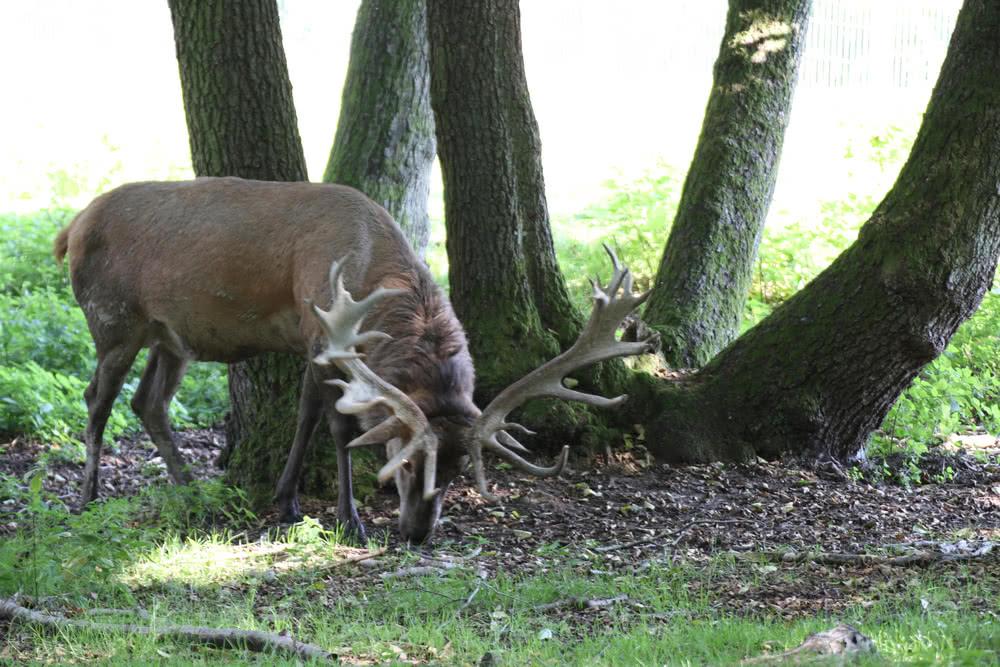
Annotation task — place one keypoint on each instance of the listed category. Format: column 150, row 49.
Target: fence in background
column 884, row 44
column 863, row 44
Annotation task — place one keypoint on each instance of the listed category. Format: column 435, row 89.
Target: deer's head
column 430, row 437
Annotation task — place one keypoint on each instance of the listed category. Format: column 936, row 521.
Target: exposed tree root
column 253, row 640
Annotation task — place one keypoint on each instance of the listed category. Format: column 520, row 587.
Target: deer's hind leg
column 163, row 375
column 113, row 363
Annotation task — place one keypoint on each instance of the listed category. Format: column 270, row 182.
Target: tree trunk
column 237, row 96
column 704, row 277
column 820, row 374
column 385, row 136
column 505, row 283
column 241, row 122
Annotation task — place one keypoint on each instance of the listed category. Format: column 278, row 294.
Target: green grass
column 674, row 612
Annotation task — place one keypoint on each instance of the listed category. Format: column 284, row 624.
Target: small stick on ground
column 825, row 558
column 416, row 571
column 140, row 613
column 356, row 559
column 580, row 603
column 666, row 533
column 253, row 640
column 458, row 611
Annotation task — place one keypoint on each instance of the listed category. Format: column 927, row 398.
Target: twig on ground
column 468, row 601
column 141, row 613
column 579, row 603
column 416, row 571
column 356, row 559
column 666, row 533
column 501, row 593
column 465, row 604
column 449, row 558
column 825, row 558
column 253, row 640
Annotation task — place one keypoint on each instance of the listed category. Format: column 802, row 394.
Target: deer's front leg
column 310, row 411
column 347, row 512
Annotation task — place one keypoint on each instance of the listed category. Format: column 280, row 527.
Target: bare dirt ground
column 633, row 512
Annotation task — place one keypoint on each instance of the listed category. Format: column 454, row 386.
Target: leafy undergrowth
column 631, row 563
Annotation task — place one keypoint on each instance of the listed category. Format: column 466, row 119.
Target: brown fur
column 221, row 270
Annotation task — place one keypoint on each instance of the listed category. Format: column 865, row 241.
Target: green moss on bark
column 705, row 272
column 385, row 143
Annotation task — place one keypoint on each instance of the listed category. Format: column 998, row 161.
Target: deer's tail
column 61, row 244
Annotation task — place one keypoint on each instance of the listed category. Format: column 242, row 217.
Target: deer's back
column 224, row 265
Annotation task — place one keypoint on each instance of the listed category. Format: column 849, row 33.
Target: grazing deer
column 222, row 269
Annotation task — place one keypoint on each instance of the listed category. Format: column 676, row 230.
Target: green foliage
column 26, row 249
column 56, row 551
column 195, row 507
column 46, row 353
column 60, row 552
column 791, row 256
column 46, row 404
column 634, row 219
column 310, row 533
column 959, row 392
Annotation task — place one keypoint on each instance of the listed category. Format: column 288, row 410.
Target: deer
column 223, row 269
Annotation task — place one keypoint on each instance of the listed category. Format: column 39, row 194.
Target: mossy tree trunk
column 384, row 144
column 241, row 122
column 505, row 283
column 705, row 272
column 237, row 96
column 820, row 374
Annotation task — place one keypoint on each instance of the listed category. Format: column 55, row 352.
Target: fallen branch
column 253, row 640
column 141, row 613
column 356, row 559
column 416, row 571
column 666, row 533
column 579, row 603
column 826, row 558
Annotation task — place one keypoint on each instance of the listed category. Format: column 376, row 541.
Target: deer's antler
column 365, row 389
column 596, row 343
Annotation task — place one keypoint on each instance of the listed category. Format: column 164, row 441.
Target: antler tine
column 596, row 343
column 618, row 273
column 364, row 389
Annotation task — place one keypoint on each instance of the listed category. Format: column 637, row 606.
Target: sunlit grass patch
column 217, row 558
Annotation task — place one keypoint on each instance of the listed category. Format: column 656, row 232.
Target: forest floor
column 845, row 538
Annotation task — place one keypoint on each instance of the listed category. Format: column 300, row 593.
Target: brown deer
column 222, row 269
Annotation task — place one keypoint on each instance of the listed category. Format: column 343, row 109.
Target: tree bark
column 241, row 122
column 505, row 283
column 705, row 272
column 384, row 144
column 820, row 374
column 237, row 95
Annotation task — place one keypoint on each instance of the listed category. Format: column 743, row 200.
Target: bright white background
column 615, row 86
